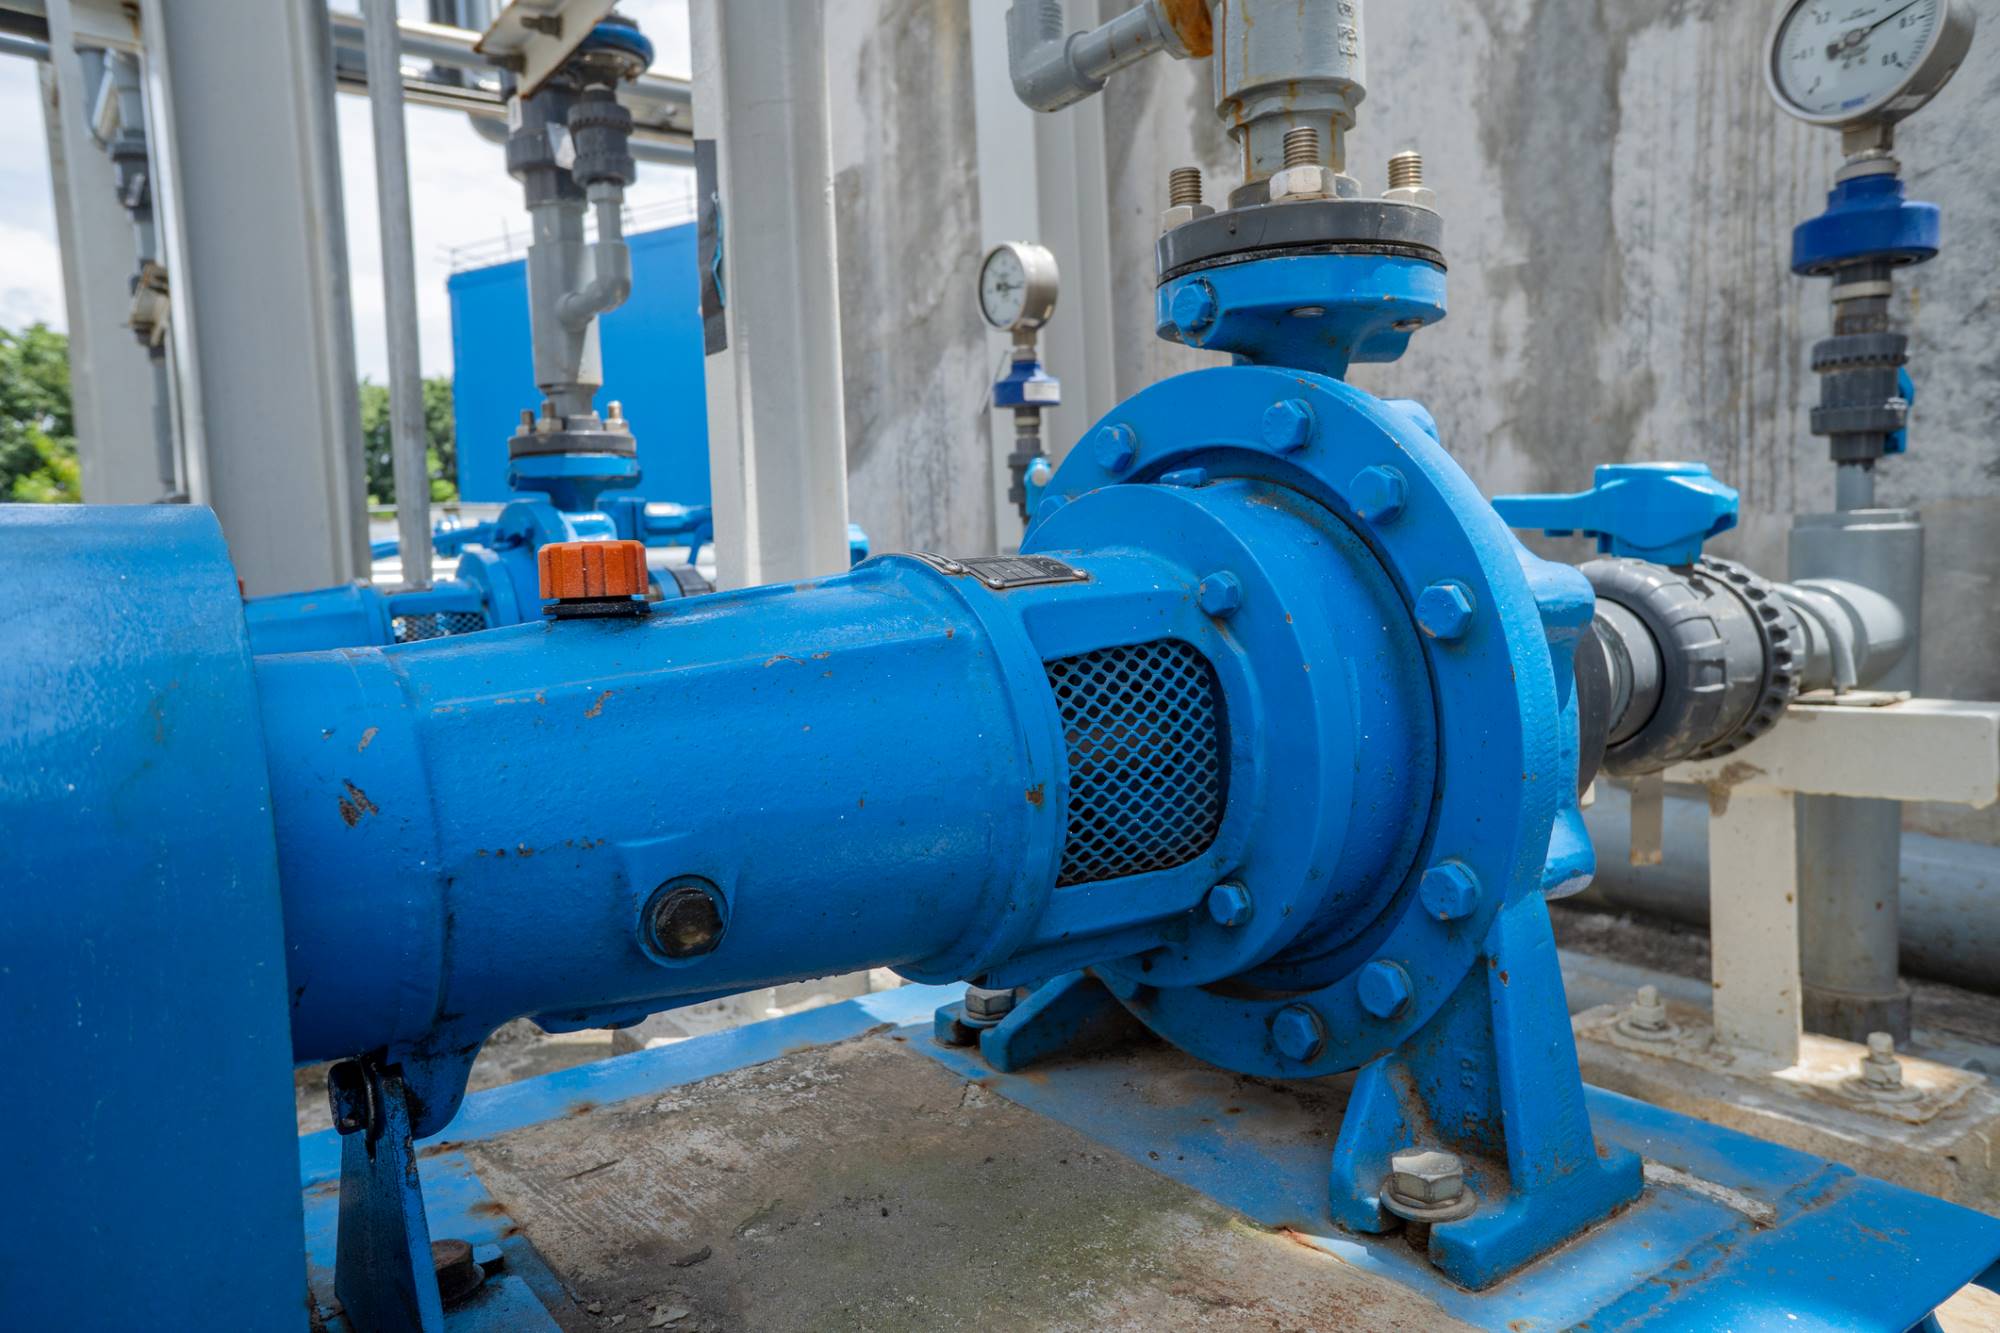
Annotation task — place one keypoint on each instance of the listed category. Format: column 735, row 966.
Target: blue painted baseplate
column 1732, row 1232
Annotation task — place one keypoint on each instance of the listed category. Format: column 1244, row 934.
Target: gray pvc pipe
column 1950, row 910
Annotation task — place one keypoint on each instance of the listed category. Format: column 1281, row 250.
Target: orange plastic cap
column 592, row 569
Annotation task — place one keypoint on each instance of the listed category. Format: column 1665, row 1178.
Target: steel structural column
column 776, row 412
column 407, row 441
column 240, row 99
column 111, row 381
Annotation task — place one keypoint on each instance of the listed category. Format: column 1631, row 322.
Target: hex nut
column 1444, row 610
column 1450, row 891
column 1416, row 196
column 1313, row 182
column 1378, row 493
column 1115, row 447
column 1646, row 1017
column 1194, row 307
column 1427, row 1177
column 1220, row 593
column 1288, row 424
column 984, row 1003
column 1182, row 214
column 1383, row 988
column 1229, row 905
column 1298, row 1033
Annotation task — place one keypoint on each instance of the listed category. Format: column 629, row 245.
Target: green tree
column 37, row 427
column 441, row 453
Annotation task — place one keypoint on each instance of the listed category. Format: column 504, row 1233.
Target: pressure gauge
column 1017, row 286
column 1849, row 62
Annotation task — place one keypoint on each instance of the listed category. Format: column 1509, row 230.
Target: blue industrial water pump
column 1269, row 739
column 1268, row 736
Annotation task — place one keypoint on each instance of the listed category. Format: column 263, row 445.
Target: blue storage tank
column 652, row 365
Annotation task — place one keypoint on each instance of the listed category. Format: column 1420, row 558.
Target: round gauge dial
column 1017, row 286
column 1841, row 62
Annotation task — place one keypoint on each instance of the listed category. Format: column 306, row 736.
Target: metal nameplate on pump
column 1001, row 572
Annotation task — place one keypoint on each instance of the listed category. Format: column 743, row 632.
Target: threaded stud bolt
column 1302, row 147
column 1406, row 170
column 1183, row 186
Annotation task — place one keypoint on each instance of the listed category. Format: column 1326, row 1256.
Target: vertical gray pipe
column 399, row 293
column 1850, row 851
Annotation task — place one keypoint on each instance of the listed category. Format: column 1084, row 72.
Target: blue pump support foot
column 1493, row 1078
column 383, row 1274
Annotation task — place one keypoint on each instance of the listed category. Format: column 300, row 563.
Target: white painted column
column 1753, row 871
column 776, row 412
column 240, row 114
column 111, row 379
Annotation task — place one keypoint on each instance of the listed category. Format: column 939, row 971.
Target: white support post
column 776, row 411
column 1916, row 750
column 111, row 377
column 1753, row 870
column 240, row 112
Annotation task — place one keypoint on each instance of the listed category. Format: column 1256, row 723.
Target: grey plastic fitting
column 1054, row 68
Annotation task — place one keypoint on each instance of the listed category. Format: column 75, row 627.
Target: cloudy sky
column 461, row 196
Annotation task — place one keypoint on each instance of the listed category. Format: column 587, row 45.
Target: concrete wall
column 1619, row 190
column 912, row 342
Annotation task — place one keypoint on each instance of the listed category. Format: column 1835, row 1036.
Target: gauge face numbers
column 1838, row 60
column 1003, row 288
column 1017, row 286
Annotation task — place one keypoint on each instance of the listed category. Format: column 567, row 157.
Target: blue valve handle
column 1899, row 441
column 1654, row 511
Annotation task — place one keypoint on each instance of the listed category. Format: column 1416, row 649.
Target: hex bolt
column 1194, row 307
column 1115, row 448
column 1378, row 493
column 1880, row 1068
column 527, row 419
column 1229, row 905
column 987, row 1005
column 1444, row 610
column 1184, row 203
column 1646, row 1017
column 458, row 1273
column 1288, row 424
column 1220, row 593
column 1450, row 891
column 1302, row 147
column 1383, row 988
column 1426, row 1185
column 1298, row 1033
column 1406, row 182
